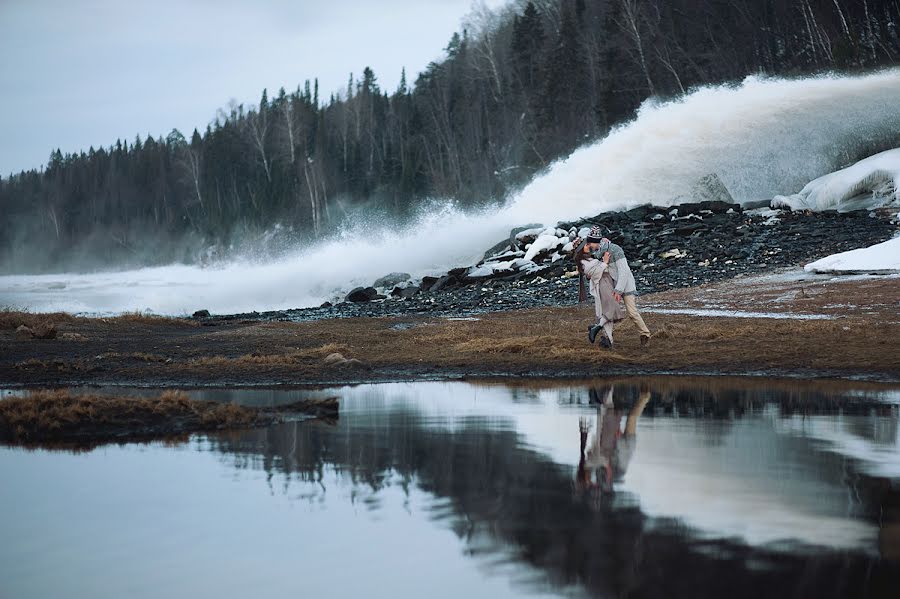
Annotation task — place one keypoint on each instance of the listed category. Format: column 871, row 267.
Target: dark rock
column 500, row 247
column 457, row 273
column 24, row 332
column 503, row 257
column 427, row 282
column 441, row 283
column 405, row 292
column 688, row 230
column 756, row 204
column 688, row 208
column 200, row 314
column 326, row 305
column 719, row 207
column 639, row 213
column 392, row 280
column 718, row 219
column 362, row 294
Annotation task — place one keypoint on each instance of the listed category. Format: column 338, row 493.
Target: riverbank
column 787, row 325
column 83, row 420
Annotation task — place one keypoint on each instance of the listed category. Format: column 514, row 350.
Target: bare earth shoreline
column 782, row 326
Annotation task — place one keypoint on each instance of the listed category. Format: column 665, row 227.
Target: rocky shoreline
column 668, row 248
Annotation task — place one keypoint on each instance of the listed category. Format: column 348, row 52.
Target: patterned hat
column 596, row 234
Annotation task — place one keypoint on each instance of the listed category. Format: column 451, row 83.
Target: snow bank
column 876, row 177
column 546, row 241
column 880, row 258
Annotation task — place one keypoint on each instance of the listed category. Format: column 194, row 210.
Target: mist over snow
column 762, row 138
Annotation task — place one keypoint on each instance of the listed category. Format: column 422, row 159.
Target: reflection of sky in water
column 442, row 489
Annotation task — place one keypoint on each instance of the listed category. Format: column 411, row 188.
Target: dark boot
column 645, row 342
column 605, row 342
column 592, row 332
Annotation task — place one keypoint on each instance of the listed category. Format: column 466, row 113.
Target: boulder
column 442, row 283
column 710, row 188
column 498, row 248
column 392, row 280
column 24, row 332
column 427, row 282
column 200, row 314
column 362, row 295
column 405, row 292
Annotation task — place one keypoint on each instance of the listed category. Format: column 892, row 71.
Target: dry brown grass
column 151, row 319
column 49, row 415
column 302, row 356
column 13, row 319
column 138, row 356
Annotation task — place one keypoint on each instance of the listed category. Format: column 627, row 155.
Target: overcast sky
column 87, row 72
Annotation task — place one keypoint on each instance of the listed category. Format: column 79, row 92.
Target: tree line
column 516, row 89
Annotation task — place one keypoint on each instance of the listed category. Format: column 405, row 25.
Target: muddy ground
column 854, row 333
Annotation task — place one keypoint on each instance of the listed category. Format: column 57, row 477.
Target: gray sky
column 87, row 72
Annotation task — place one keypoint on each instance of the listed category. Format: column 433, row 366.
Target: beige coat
column 602, row 287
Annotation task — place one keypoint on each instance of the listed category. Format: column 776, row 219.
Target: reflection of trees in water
column 501, row 497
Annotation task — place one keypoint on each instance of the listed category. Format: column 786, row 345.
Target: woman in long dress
column 602, row 286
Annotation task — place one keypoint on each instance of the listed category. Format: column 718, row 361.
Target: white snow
column 880, row 258
column 545, row 241
column 531, row 232
column 876, row 177
column 770, row 215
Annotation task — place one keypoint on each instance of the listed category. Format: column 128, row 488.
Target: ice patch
column 736, row 313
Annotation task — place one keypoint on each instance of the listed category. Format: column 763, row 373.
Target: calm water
column 650, row 488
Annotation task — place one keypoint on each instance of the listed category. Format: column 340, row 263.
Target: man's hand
column 618, row 296
column 606, row 257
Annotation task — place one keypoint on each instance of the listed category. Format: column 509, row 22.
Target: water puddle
column 685, row 487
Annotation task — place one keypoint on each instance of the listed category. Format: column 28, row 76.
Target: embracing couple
column 612, row 284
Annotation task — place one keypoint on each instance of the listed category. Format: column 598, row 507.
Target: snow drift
column 881, row 258
column 872, row 182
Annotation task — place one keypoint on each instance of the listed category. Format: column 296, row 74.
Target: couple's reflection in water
column 507, row 491
column 605, row 459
